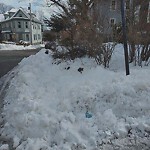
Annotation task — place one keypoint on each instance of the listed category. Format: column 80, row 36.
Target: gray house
column 21, row 25
column 108, row 12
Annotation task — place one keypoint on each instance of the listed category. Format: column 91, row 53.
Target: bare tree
column 81, row 32
column 139, row 32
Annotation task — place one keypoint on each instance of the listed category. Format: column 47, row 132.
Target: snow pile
column 4, row 147
column 52, row 106
column 19, row 47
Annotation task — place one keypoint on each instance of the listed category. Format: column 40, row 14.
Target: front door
column 20, row 36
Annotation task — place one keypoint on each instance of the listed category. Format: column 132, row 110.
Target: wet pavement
column 10, row 59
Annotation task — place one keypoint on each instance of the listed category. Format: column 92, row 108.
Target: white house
column 19, row 24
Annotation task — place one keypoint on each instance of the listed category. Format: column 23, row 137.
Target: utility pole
column 29, row 8
column 125, row 37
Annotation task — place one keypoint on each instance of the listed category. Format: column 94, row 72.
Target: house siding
column 17, row 28
column 36, row 32
column 106, row 13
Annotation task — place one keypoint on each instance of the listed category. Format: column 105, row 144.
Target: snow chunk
column 4, row 147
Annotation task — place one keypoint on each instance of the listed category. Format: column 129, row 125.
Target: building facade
column 21, row 25
column 109, row 12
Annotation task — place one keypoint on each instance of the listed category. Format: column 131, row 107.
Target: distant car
column 24, row 43
column 50, row 45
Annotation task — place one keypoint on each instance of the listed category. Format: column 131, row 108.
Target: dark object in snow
column 130, row 132
column 50, row 45
column 88, row 115
column 67, row 68
column 46, row 52
column 80, row 70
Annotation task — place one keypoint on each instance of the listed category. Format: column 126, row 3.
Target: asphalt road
column 10, row 59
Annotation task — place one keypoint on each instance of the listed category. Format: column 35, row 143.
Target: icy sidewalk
column 46, row 106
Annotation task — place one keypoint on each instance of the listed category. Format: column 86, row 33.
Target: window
column 127, row 4
column 27, row 37
column 13, row 24
column 38, row 26
column 39, row 37
column 112, row 21
column 9, row 25
column 113, row 5
column 35, row 37
column 20, row 36
column 26, row 24
column 19, row 24
column 148, row 16
column 20, row 15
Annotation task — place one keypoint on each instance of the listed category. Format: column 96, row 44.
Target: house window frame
column 114, row 21
column 127, row 4
column 14, row 25
column 39, row 27
column 19, row 24
column 39, row 36
column 148, row 16
column 35, row 37
column 113, row 6
column 27, row 37
column 26, row 24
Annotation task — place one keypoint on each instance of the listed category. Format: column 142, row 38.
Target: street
column 10, row 59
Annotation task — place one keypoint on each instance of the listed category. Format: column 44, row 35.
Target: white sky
column 1, row 17
column 37, row 5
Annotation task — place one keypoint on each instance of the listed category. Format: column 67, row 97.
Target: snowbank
column 50, row 106
column 18, row 47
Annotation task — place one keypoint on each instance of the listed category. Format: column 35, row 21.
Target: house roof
column 34, row 19
column 13, row 10
column 6, row 13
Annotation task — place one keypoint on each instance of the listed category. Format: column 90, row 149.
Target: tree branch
column 57, row 2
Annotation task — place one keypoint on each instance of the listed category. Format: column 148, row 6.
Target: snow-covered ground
column 12, row 46
column 50, row 106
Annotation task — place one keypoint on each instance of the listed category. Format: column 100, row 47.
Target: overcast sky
column 37, row 5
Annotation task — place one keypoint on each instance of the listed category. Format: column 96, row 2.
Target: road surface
column 10, row 59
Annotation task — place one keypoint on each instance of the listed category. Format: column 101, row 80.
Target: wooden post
column 30, row 23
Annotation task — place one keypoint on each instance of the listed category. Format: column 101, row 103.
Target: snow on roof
column 34, row 19
column 7, row 31
column 13, row 10
column 6, row 13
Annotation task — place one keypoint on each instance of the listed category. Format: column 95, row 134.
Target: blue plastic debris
column 88, row 115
